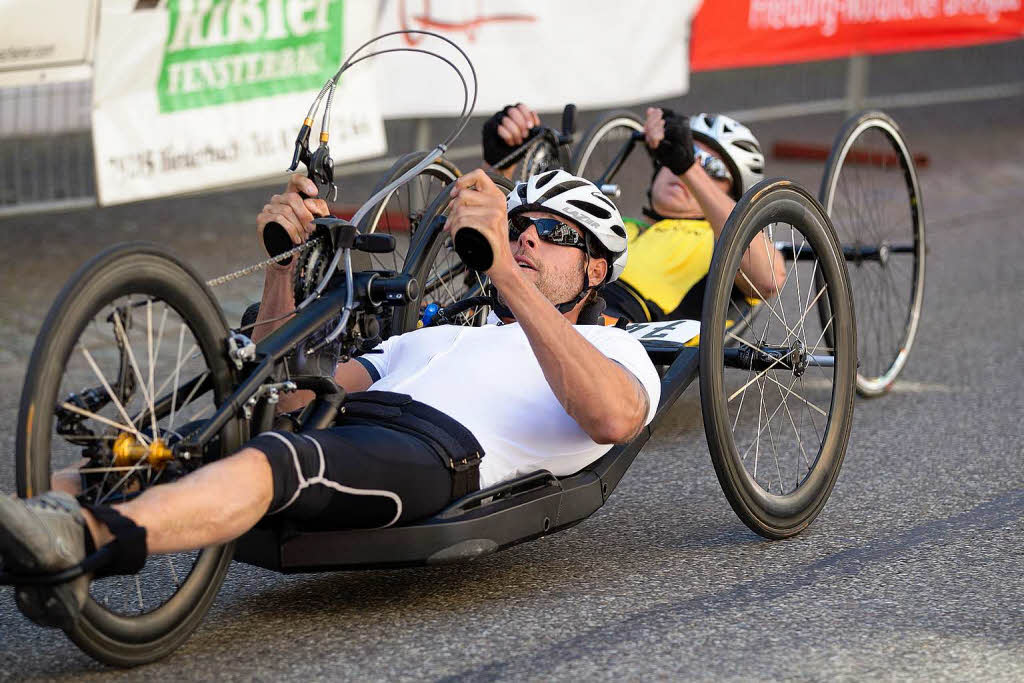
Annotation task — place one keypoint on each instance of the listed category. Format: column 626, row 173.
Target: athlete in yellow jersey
column 701, row 166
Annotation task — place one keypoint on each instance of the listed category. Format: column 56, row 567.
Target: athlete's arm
column 762, row 269
column 605, row 399
column 295, row 215
column 504, row 132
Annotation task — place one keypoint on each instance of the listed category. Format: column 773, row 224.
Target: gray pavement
column 913, row 570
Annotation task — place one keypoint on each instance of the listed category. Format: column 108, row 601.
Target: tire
column 442, row 276
column 541, row 155
column 112, row 629
column 401, row 211
column 798, row 464
column 595, row 154
column 871, row 192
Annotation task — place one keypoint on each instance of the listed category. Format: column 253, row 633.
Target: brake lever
column 320, row 169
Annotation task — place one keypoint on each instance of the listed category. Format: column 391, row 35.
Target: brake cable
column 315, row 161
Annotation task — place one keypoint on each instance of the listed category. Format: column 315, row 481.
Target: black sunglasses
column 548, row 229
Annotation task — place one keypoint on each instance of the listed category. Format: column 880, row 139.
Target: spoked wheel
column 401, row 212
column 613, row 156
column 540, row 155
column 441, row 274
column 777, row 398
column 130, row 359
column 871, row 193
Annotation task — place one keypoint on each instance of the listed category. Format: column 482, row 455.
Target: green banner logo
column 221, row 51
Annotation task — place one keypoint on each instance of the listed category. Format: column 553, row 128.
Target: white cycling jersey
column 488, row 378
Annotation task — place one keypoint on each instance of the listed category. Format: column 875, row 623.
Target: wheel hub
column 129, row 451
column 884, row 250
column 798, row 358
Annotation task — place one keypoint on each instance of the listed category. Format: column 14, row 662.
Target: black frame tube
column 851, row 253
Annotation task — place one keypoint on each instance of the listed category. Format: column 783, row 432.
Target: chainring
column 311, row 267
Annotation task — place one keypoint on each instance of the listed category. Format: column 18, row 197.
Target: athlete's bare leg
column 215, row 504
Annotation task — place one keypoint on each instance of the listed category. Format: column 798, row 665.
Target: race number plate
column 677, row 331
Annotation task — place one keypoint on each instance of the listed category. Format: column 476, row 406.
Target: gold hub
column 129, row 451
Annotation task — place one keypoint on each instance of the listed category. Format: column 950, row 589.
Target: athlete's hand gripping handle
column 276, row 239
column 287, row 220
column 479, row 223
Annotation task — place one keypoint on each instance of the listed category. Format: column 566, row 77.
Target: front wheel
column 400, row 212
column 777, row 398
column 612, row 155
column 131, row 359
column 443, row 278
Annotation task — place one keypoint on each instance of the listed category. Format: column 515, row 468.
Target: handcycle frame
column 488, row 520
column 481, row 522
column 248, row 377
column 475, row 525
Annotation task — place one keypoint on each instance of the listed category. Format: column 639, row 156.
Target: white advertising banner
column 592, row 53
column 46, row 43
column 196, row 94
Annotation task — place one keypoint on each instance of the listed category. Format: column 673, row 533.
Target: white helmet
column 580, row 201
column 739, row 148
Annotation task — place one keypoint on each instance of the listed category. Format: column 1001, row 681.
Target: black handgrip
column 276, row 239
column 569, row 119
column 474, row 249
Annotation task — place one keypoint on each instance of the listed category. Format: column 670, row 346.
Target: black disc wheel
column 613, row 156
column 777, row 398
column 400, row 212
column 443, row 278
column 871, row 192
column 130, row 360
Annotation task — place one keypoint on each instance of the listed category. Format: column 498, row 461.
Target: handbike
column 871, row 192
column 136, row 381
column 777, row 405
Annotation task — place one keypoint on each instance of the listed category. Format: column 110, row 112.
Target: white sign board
column 46, row 42
column 592, row 53
column 196, row 94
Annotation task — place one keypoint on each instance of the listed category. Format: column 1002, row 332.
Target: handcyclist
column 543, row 391
column 692, row 191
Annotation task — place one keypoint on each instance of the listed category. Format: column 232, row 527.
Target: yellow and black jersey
column 667, row 260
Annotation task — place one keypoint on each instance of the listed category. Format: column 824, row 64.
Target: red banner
column 736, row 33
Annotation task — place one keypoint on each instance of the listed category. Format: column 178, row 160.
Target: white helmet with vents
column 740, row 149
column 580, row 201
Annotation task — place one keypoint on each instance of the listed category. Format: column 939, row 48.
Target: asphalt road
column 913, row 570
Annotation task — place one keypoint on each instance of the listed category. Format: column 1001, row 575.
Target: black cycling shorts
column 354, row 476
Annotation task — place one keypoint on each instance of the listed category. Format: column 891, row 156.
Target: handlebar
column 563, row 138
column 276, row 239
column 471, row 246
column 568, row 122
column 474, row 249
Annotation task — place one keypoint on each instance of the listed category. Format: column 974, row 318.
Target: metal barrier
column 46, row 156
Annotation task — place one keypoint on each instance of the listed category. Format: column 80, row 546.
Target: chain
column 256, row 267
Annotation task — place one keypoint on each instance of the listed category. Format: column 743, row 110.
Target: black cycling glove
column 495, row 149
column 676, row 149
